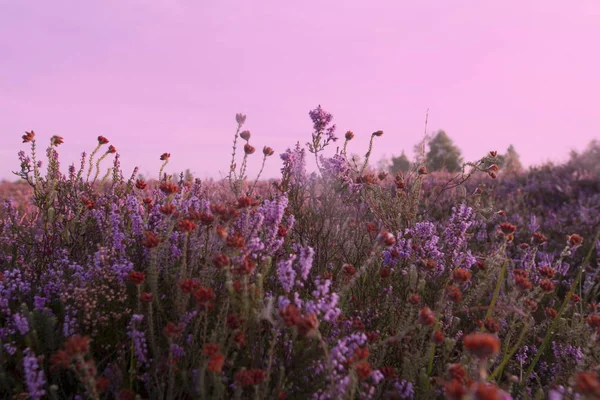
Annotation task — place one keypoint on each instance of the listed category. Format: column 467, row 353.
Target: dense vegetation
column 345, row 283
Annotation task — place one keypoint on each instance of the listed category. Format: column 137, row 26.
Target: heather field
column 349, row 282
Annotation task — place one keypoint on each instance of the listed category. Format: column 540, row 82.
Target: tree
column 401, row 163
column 443, row 154
column 512, row 161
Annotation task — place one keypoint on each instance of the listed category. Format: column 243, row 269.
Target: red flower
column 377, row 133
column 102, row 140
column 28, row 136
column 236, row 240
column 215, row 363
column 290, row 315
column 363, row 369
column 507, row 228
column 349, row 269
column 547, row 272
column 168, row 188
column 388, row 372
column 454, row 293
column 349, row 135
column 141, row 184
column 438, row 336
column 248, row 149
column 211, row 348
column 77, row 345
column 56, row 140
column 575, row 240
column 165, row 156
column 454, row 390
column 249, row 377
column 188, row 285
column 186, row 225
column 538, row 238
column 547, row 285
column 111, row 150
column 245, row 135
column 203, row 296
column 457, row 372
column 221, row 260
column 587, row 383
column 384, row 272
column 491, row 325
column 461, row 275
column 101, row 384
column 151, row 241
column 267, row 151
column 234, row 321
column 167, row 209
column 172, row 330
column 246, row 267
column 551, row 312
column 522, row 283
column 126, row 394
column 60, row 359
column 307, row 324
column 240, row 339
column 426, row 316
column 137, row 277
column 414, row 299
column 146, row 297
column 482, row 345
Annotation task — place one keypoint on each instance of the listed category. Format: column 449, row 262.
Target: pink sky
column 169, row 75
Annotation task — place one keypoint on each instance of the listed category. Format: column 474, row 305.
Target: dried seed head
column 267, row 151
column 56, row 140
column 349, row 135
column 240, row 119
column 102, row 140
column 245, row 135
column 28, row 136
column 165, row 156
column 377, row 133
column 248, row 149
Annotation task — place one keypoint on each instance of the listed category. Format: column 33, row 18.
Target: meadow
column 346, row 283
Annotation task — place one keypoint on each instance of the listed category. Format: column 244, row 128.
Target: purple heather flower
column 286, row 273
column 34, row 376
column 21, row 324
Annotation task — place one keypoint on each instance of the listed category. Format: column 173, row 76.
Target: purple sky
column 169, row 75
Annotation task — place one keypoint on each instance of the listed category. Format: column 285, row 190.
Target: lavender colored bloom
column 34, row 376
column 39, row 302
column 139, row 339
column 177, row 350
column 404, row 389
column 21, row 324
column 286, row 273
column 305, row 260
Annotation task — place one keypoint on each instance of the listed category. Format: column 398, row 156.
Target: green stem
column 497, row 290
column 563, row 307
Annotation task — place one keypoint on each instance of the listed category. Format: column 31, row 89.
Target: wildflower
column 537, row 238
column 234, row 321
column 102, row 384
column 377, row 133
column 165, row 156
column 587, row 383
column 60, row 359
column 384, row 272
column 461, row 275
column 111, row 150
column 426, row 316
column 487, row 391
column 547, row 285
column 246, row 267
column 386, row 238
column 168, row 188
column 493, row 153
column 140, row 184
column 77, row 345
column 236, row 240
column 457, row 372
column 482, row 345
column 593, row 320
column 454, row 390
column 211, row 348
column 136, row 277
column 249, row 377
column 363, row 369
column 240, row 119
column 493, row 168
column 56, row 140
column 102, row 140
column 215, row 363
column 507, row 228
column 547, row 271
column 414, row 299
column 382, row 175
column 146, row 297
column 551, row 312
column 188, row 285
column 454, row 293
column 388, row 372
column 248, row 149
column 245, row 135
column 492, row 174
column 151, row 240
column 574, row 240
column 290, row 315
column 204, row 297
column 438, row 337
column 422, row 171
column 167, row 209
column 491, row 325
column 267, row 151
column 172, row 330
column 349, row 269
column 186, row 225
column 245, row 202
column 349, row 135
column 207, row 219
column 240, row 339
column 307, row 325
column 221, row 260
column 28, row 136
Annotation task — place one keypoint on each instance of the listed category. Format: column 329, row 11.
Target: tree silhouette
column 443, row 154
column 400, row 163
